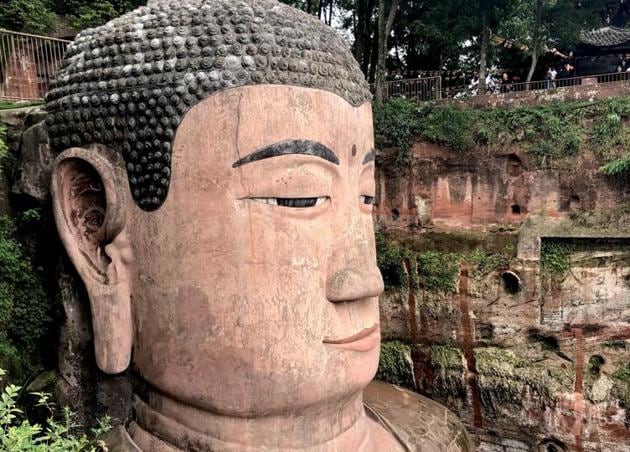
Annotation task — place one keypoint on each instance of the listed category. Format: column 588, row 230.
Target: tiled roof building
column 603, row 51
column 606, row 37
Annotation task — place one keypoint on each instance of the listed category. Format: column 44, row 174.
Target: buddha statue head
column 213, row 189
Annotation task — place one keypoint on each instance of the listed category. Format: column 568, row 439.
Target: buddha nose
column 354, row 274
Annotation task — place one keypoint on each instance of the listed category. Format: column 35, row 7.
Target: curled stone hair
column 128, row 84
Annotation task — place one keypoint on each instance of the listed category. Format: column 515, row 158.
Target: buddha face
column 253, row 289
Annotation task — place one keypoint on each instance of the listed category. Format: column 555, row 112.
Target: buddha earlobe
column 89, row 206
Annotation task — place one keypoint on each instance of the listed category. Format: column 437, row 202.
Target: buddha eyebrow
column 369, row 157
column 302, row 147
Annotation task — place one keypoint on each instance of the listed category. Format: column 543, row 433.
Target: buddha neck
column 164, row 424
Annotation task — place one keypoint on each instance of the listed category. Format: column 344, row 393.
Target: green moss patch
column 434, row 270
column 547, row 132
column 25, row 312
column 395, row 364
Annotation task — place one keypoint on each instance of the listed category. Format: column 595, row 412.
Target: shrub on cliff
column 3, row 145
column 395, row 365
column 555, row 131
column 25, row 313
column 60, row 432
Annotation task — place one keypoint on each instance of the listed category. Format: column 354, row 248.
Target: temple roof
column 606, row 37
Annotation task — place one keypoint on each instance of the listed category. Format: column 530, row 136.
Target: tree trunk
column 359, row 31
column 330, row 12
column 385, row 24
column 368, row 39
column 372, row 59
column 309, row 6
column 532, row 67
column 537, row 38
column 483, row 55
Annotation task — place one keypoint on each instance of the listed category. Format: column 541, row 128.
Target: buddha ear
column 89, row 205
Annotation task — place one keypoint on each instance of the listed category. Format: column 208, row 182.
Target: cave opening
column 511, row 282
column 552, row 445
column 595, row 364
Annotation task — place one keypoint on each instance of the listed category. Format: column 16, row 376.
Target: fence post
column 25, row 60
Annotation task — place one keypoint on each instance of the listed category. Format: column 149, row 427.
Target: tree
column 491, row 14
column 543, row 25
column 43, row 16
column 386, row 17
column 34, row 16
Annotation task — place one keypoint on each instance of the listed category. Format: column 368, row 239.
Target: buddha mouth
column 363, row 341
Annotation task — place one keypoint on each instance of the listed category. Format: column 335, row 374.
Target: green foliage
column 495, row 361
column 446, row 358
column 438, row 271
column 34, row 16
column 556, row 131
column 395, row 124
column 25, row 313
column 389, row 257
column 554, row 257
column 621, row 388
column 41, row 16
column 93, row 14
column 617, row 167
column 61, row 433
column 394, row 364
column 21, row 104
column 4, row 151
column 482, row 263
column 450, row 126
column 433, row 270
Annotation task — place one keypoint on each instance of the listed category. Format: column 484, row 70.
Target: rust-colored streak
column 411, row 303
column 468, row 343
column 578, row 388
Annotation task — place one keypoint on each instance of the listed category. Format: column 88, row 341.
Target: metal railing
column 431, row 88
column 27, row 64
column 505, row 88
column 424, row 89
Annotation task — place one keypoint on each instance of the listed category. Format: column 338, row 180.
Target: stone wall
column 589, row 90
column 531, row 348
column 478, row 190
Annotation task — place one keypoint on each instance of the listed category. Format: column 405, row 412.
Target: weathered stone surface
column 418, row 422
column 32, row 176
column 479, row 190
column 585, row 92
column 540, row 367
column 81, row 386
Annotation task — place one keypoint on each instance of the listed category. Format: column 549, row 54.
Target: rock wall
column 531, row 344
column 480, row 190
column 24, row 185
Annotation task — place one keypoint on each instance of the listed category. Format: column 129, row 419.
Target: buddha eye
column 366, row 199
column 298, row 203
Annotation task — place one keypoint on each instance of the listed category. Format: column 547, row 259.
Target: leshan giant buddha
column 214, row 190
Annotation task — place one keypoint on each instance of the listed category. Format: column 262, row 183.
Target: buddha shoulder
column 419, row 423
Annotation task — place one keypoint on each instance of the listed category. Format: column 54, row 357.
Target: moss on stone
column 395, row 364
column 616, row 344
column 556, row 131
column 494, row 360
column 435, row 271
column 447, row 358
column 621, row 385
column 505, row 379
column 448, row 370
